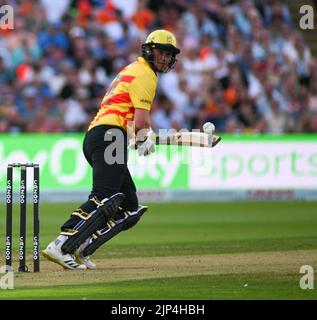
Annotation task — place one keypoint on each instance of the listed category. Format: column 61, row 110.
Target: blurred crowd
column 243, row 65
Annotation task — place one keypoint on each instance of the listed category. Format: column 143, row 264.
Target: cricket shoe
column 81, row 259
column 67, row 261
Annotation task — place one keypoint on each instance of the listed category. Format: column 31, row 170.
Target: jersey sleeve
column 142, row 91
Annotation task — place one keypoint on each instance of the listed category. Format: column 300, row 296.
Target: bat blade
column 190, row 139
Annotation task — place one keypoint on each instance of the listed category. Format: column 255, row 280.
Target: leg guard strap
column 69, row 232
column 113, row 228
column 92, row 222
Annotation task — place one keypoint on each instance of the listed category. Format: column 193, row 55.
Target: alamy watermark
column 6, row 17
column 6, row 280
column 307, row 280
column 115, row 151
column 306, row 22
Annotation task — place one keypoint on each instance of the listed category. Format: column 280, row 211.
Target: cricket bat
column 190, row 139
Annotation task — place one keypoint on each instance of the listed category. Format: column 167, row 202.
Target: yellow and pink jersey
column 133, row 87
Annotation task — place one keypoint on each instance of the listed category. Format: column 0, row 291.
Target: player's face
column 162, row 58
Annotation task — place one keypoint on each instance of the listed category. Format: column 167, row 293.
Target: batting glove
column 146, row 147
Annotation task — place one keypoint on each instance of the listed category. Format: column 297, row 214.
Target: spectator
column 53, row 37
column 165, row 116
column 244, row 66
column 276, row 119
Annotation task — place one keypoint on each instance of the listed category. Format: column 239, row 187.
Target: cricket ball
column 209, row 127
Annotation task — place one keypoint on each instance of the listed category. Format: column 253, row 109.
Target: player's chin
column 162, row 67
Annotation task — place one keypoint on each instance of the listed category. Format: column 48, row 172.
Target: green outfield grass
column 243, row 250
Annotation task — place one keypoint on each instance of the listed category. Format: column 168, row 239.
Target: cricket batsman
column 112, row 205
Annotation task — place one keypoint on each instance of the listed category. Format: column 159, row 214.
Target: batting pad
column 97, row 220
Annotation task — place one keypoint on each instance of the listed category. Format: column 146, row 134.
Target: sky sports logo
column 6, row 17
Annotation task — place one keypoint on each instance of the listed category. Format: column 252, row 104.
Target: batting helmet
column 160, row 39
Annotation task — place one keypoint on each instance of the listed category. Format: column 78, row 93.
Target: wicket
column 23, row 203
